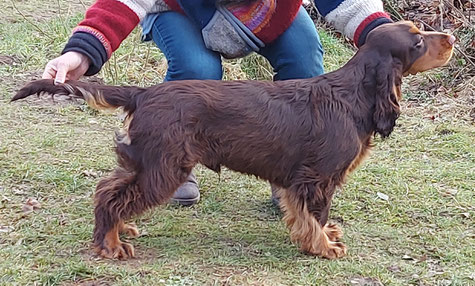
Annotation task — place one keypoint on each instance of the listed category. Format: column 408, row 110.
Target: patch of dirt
column 101, row 281
column 440, row 15
column 225, row 275
column 9, row 60
column 444, row 103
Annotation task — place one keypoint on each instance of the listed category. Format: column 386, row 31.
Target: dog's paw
column 130, row 229
column 333, row 231
column 334, row 250
column 121, row 251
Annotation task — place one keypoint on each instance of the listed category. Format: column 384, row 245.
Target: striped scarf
column 254, row 15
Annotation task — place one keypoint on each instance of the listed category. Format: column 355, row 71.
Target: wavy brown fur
column 303, row 136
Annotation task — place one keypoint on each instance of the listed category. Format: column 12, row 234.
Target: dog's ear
column 388, row 92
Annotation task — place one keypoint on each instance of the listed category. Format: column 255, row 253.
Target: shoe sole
column 184, row 202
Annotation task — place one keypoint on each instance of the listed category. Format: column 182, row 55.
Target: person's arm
column 354, row 18
column 105, row 25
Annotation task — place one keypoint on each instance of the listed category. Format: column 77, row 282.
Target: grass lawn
column 407, row 212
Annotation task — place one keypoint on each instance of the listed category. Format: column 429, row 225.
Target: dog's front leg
column 321, row 209
column 306, row 209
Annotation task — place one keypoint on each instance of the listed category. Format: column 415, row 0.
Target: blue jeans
column 297, row 53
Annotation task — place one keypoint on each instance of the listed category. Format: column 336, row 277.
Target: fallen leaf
column 63, row 220
column 30, row 205
column 6, row 228
column 34, row 203
column 382, row 196
column 444, row 213
column 18, row 191
column 451, row 192
column 432, row 273
column 394, row 268
column 143, row 233
column 465, row 215
column 365, row 281
column 407, row 257
column 5, row 198
column 27, row 209
column 422, row 258
column 90, row 173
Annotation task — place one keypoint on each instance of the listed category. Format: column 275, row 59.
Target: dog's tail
column 99, row 97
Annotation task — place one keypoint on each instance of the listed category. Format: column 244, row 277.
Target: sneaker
column 187, row 194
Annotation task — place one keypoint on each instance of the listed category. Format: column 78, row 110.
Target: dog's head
column 401, row 49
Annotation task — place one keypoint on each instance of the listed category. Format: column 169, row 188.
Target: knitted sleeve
column 106, row 24
column 354, row 18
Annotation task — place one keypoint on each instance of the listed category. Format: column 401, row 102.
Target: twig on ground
column 116, row 73
column 129, row 56
column 82, row 3
column 465, row 56
column 463, row 18
column 441, row 8
column 393, row 9
column 147, row 55
column 30, row 22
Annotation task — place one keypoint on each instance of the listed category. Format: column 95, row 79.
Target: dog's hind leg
column 306, row 208
column 112, row 194
column 126, row 193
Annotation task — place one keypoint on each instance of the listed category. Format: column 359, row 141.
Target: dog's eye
column 420, row 43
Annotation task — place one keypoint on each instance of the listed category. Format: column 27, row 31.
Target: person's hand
column 71, row 65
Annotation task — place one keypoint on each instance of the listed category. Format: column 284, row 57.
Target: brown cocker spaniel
column 303, row 136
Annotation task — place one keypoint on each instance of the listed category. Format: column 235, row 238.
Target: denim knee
column 198, row 67
column 302, row 64
column 308, row 64
column 297, row 53
column 183, row 46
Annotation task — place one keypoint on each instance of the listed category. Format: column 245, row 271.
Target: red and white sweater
column 108, row 22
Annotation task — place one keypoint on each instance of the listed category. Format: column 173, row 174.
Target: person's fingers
column 71, row 65
column 61, row 72
column 75, row 74
column 49, row 72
